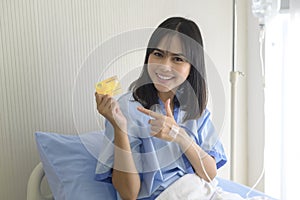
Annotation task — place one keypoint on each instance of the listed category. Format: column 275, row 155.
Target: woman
column 160, row 130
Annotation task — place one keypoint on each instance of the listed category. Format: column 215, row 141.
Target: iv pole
column 233, row 80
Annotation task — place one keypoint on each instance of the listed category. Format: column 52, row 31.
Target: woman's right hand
column 109, row 108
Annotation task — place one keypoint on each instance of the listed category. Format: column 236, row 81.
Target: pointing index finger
column 148, row 112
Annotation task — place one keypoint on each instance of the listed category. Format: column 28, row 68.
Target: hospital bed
column 68, row 163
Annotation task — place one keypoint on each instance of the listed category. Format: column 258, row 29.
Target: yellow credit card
column 110, row 86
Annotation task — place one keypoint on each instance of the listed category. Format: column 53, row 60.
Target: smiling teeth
column 164, row 77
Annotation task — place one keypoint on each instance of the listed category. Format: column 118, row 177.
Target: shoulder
column 204, row 118
column 129, row 105
column 127, row 100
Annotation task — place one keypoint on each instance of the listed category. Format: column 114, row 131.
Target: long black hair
column 191, row 95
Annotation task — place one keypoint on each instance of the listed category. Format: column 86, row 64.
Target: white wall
column 43, row 44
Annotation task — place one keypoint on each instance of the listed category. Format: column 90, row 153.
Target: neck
column 164, row 96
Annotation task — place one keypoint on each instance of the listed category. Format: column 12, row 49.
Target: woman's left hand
column 162, row 126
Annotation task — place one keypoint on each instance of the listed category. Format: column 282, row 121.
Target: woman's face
column 167, row 66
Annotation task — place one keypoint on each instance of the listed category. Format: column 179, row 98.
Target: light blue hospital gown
column 158, row 162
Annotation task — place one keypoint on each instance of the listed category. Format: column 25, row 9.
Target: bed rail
column 34, row 185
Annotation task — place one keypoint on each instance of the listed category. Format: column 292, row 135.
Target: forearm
column 203, row 164
column 125, row 177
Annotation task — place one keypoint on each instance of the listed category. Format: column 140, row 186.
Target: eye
column 157, row 54
column 179, row 59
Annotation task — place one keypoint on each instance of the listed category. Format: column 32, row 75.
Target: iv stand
column 233, row 80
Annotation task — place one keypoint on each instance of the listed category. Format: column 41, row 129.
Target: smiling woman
column 173, row 78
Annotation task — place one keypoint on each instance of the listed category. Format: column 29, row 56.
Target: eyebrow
column 174, row 54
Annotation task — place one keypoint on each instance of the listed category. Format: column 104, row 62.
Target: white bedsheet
column 192, row 187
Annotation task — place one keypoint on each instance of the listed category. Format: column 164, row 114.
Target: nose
column 166, row 63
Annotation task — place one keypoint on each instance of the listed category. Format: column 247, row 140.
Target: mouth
column 164, row 77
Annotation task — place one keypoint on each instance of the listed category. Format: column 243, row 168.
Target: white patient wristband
column 174, row 131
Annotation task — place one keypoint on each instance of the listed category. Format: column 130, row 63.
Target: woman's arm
column 125, row 177
column 203, row 164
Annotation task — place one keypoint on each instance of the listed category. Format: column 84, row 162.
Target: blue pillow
column 69, row 162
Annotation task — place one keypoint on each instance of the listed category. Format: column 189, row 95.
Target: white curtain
column 282, row 105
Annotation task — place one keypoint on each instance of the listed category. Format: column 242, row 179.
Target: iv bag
column 261, row 8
